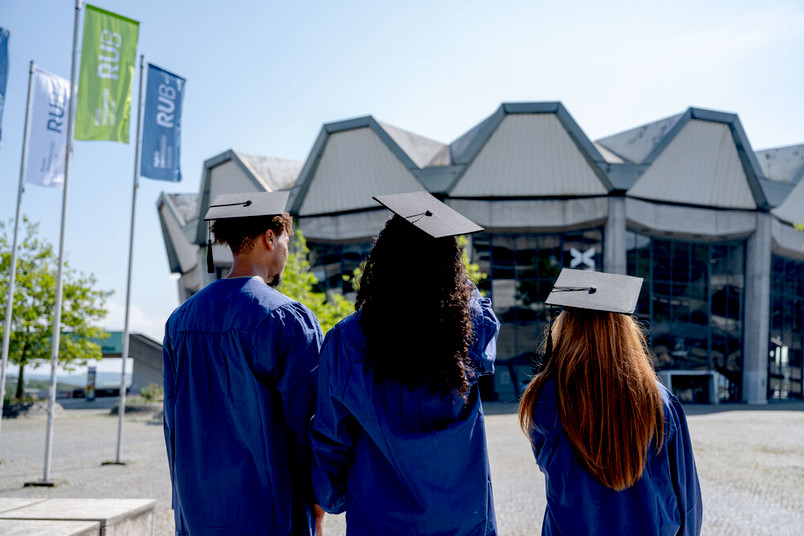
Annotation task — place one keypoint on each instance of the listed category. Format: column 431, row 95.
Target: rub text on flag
column 161, row 134
column 108, row 55
column 47, row 141
column 3, row 73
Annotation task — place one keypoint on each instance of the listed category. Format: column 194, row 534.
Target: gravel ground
column 750, row 461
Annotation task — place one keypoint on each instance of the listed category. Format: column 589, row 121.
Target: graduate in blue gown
column 398, row 435
column 240, row 383
column 612, row 442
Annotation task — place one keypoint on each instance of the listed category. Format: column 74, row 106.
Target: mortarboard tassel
column 210, row 262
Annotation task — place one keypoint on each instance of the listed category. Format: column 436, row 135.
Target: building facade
column 684, row 203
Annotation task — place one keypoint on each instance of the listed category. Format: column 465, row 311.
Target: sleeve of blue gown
column 486, row 328
column 169, row 387
column 685, row 475
column 545, row 421
column 333, row 431
column 296, row 339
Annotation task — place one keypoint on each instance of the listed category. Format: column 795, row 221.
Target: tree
column 34, row 299
column 298, row 282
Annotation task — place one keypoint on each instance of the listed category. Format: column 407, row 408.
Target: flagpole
column 121, row 408
column 54, row 349
column 13, row 267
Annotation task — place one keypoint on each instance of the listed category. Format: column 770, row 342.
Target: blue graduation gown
column 400, row 461
column 240, row 383
column 665, row 501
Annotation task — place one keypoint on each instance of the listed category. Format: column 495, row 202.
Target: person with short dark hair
column 612, row 442
column 398, row 436
column 240, row 376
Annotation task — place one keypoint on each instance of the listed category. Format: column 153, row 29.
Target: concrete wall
column 756, row 319
column 147, row 355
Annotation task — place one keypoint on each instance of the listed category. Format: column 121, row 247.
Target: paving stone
column 750, row 462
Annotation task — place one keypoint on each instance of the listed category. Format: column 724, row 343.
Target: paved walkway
column 750, row 461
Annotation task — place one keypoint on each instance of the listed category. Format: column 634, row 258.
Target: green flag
column 108, row 55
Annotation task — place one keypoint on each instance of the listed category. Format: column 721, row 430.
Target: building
column 145, row 353
column 684, row 202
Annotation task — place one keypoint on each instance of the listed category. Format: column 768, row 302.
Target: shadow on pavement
column 510, row 407
column 83, row 403
column 772, row 405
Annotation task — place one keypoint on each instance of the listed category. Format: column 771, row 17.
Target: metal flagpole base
column 43, row 484
column 112, row 462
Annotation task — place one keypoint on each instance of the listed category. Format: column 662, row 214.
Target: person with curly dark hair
column 440, row 296
column 398, row 436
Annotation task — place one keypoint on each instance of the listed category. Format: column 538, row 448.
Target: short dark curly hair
column 241, row 233
column 414, row 309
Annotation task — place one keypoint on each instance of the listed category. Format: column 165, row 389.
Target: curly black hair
column 414, row 309
column 241, row 233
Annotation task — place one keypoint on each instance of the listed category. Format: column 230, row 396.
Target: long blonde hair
column 608, row 400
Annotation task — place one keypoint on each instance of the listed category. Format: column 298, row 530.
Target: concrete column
column 756, row 321
column 614, row 246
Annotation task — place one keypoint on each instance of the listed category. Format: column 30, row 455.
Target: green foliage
column 34, row 299
column 298, row 283
column 152, row 393
column 472, row 269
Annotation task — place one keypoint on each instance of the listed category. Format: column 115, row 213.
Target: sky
column 264, row 76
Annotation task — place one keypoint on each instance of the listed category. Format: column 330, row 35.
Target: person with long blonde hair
column 612, row 442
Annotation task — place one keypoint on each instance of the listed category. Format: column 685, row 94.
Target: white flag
column 47, row 144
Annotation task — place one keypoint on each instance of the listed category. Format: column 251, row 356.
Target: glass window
column 333, row 264
column 786, row 328
column 522, row 269
column 692, row 299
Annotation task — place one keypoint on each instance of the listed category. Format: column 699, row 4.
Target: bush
column 152, row 393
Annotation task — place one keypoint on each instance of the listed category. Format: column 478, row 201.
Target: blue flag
column 3, row 73
column 161, row 134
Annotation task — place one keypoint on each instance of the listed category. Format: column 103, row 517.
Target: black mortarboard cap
column 595, row 291
column 247, row 205
column 244, row 205
column 428, row 214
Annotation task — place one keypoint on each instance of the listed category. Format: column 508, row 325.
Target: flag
column 3, row 73
column 108, row 55
column 47, row 141
column 161, row 133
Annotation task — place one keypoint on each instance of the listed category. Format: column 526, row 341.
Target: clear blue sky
column 263, row 76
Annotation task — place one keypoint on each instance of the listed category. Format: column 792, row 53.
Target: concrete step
column 38, row 527
column 114, row 517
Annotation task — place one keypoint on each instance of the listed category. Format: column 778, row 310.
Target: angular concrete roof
column 273, row 173
column 792, row 209
column 255, row 173
column 420, row 149
column 355, row 159
column 528, row 150
column 782, row 164
column 178, row 217
column 783, row 168
column 636, row 144
column 705, row 159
